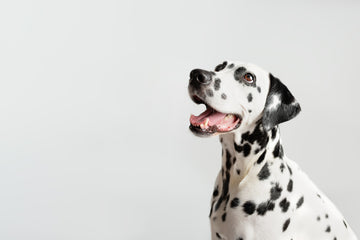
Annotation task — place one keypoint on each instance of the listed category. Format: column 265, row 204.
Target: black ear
column 280, row 106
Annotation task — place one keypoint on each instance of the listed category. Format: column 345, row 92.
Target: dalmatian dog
column 259, row 193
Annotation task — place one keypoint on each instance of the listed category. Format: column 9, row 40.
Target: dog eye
column 249, row 77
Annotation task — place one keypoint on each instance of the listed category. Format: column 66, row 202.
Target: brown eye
column 249, row 77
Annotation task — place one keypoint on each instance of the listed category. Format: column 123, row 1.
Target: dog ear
column 280, row 106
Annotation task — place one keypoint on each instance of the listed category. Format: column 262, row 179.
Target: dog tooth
column 207, row 122
column 228, row 116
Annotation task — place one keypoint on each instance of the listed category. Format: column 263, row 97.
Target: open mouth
column 211, row 121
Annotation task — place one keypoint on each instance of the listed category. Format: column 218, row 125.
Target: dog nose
column 200, row 76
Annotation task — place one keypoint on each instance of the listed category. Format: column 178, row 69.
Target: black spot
column 226, row 202
column 300, row 202
column 235, row 203
column 335, row 238
column 239, row 73
column 218, row 203
column 227, row 198
column 286, row 225
column 234, row 159
column 261, row 158
column 211, row 209
column 246, row 148
column 225, row 189
column 216, row 192
column 278, row 150
column 218, row 235
column 238, row 148
column 264, row 172
column 328, row 229
column 273, row 133
column 264, row 207
column 318, row 218
column 326, row 216
column 238, row 171
column 282, row 167
column 258, row 135
column 290, row 185
column 345, row 223
column 249, row 97
column 275, row 192
column 220, row 66
column 223, row 96
column 290, row 171
column 249, row 207
column 223, row 217
column 228, row 159
column 271, row 206
column 259, row 89
column 250, row 111
column 284, row 205
column 217, row 84
column 209, row 92
column 231, row 65
column 239, row 239
column 318, row 195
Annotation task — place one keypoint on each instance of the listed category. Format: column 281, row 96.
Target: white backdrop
column 94, row 140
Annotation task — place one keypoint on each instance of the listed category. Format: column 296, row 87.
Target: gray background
column 94, row 140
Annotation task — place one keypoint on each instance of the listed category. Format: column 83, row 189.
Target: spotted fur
column 259, row 193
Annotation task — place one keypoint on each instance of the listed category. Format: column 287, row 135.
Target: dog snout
column 199, row 76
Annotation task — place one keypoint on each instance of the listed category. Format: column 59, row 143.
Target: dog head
column 237, row 95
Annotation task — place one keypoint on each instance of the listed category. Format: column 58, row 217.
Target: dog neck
column 242, row 150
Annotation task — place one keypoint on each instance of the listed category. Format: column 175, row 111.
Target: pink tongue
column 210, row 117
column 213, row 116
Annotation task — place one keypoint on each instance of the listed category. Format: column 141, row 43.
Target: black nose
column 200, row 76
